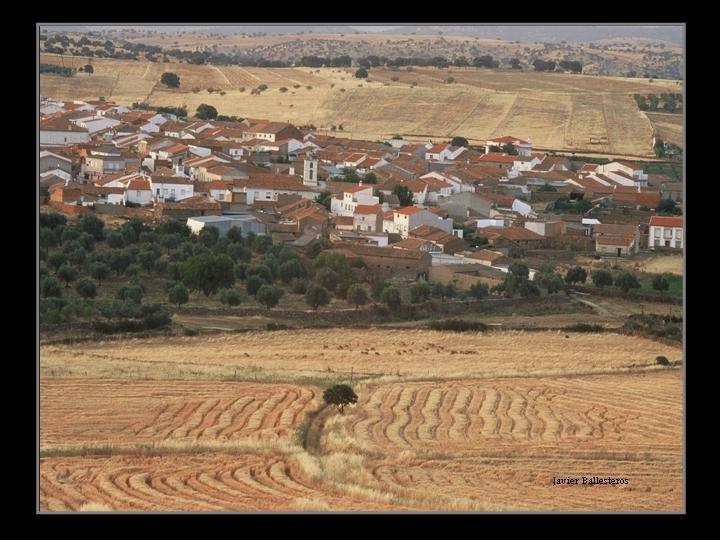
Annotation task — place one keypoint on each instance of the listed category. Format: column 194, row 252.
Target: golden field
column 444, row 421
column 578, row 113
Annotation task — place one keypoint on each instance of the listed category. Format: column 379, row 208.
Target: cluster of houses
column 266, row 177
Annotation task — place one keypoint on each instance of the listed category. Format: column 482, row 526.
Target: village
column 431, row 211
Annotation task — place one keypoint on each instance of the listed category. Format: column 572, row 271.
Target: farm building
column 617, row 245
column 245, row 222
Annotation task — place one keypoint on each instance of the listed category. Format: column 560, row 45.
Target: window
column 657, row 232
column 668, row 233
column 137, row 193
column 678, row 234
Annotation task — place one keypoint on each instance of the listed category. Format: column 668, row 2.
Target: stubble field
column 444, row 422
column 580, row 113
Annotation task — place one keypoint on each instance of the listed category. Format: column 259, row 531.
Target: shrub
column 253, row 284
column 662, row 361
column 602, row 278
column 584, row 327
column 357, row 295
column 420, row 292
column 316, row 296
column 391, row 297
column 576, row 274
column 458, row 325
column 269, row 295
column 178, row 294
column 660, row 283
column 86, row 288
column 298, row 285
column 230, row 297
column 327, row 278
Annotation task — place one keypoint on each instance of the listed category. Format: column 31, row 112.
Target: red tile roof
column 511, row 233
column 508, row 139
column 408, row 210
column 355, row 157
column 416, row 186
column 666, row 221
column 615, row 240
column 495, row 157
column 627, row 164
column 437, row 149
column 368, row 208
column 356, row 188
column 139, row 185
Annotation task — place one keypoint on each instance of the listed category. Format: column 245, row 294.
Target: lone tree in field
column 361, row 73
column 627, row 281
column 178, row 294
column 89, row 69
column 171, row 80
column 459, row 141
column 340, row 395
column 206, row 112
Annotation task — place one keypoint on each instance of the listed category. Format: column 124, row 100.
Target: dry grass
column 668, row 126
column 664, row 264
column 330, row 355
column 557, row 111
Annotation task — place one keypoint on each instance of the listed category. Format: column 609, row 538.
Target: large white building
column 353, row 195
column 410, row 217
column 666, row 231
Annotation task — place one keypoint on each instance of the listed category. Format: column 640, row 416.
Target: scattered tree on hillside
column 357, row 295
column 660, row 283
column 576, row 274
column 178, row 294
column 206, row 112
column 602, row 278
column 169, row 79
column 316, row 296
column 269, row 295
column 627, row 281
column 208, row 273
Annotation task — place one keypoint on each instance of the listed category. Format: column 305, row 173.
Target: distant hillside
column 549, row 34
column 546, row 34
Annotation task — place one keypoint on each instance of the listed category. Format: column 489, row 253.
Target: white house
column 267, row 187
column 171, row 188
column 368, row 217
column 60, row 132
column 139, row 191
column 411, row 217
column 353, row 160
column 524, row 148
column 352, row 196
column 666, row 231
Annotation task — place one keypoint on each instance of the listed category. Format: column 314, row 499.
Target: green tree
column 269, row 295
column 361, row 73
column 131, row 293
column 509, row 149
column 99, row 270
column 660, row 283
column 206, row 112
column 627, row 281
column 235, row 234
column 86, row 288
column 56, row 260
column 230, row 297
column 391, row 297
column 77, row 256
column 459, row 141
column 299, row 285
column 340, row 395
column 208, row 237
column 420, row 292
column 404, row 194
column 479, row 290
column 377, row 288
column 261, row 270
column 47, row 239
column 92, row 225
column 668, row 207
column 357, row 295
column 576, row 274
column 69, row 234
column 550, row 281
column 238, row 252
column 178, row 294
column 253, row 284
column 324, row 198
column 327, row 278
column 290, row 270
column 336, row 262
column 207, row 273
column 169, row 79
column 50, row 287
column 261, row 244
column 316, row 296
column 115, row 240
column 67, row 274
column 602, row 278
column 119, row 260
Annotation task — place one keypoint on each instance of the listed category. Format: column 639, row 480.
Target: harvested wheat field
column 299, row 355
column 206, row 482
column 444, row 421
column 557, row 111
column 106, row 411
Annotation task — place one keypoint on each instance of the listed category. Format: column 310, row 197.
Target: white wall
column 665, row 233
column 139, row 197
column 61, row 138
